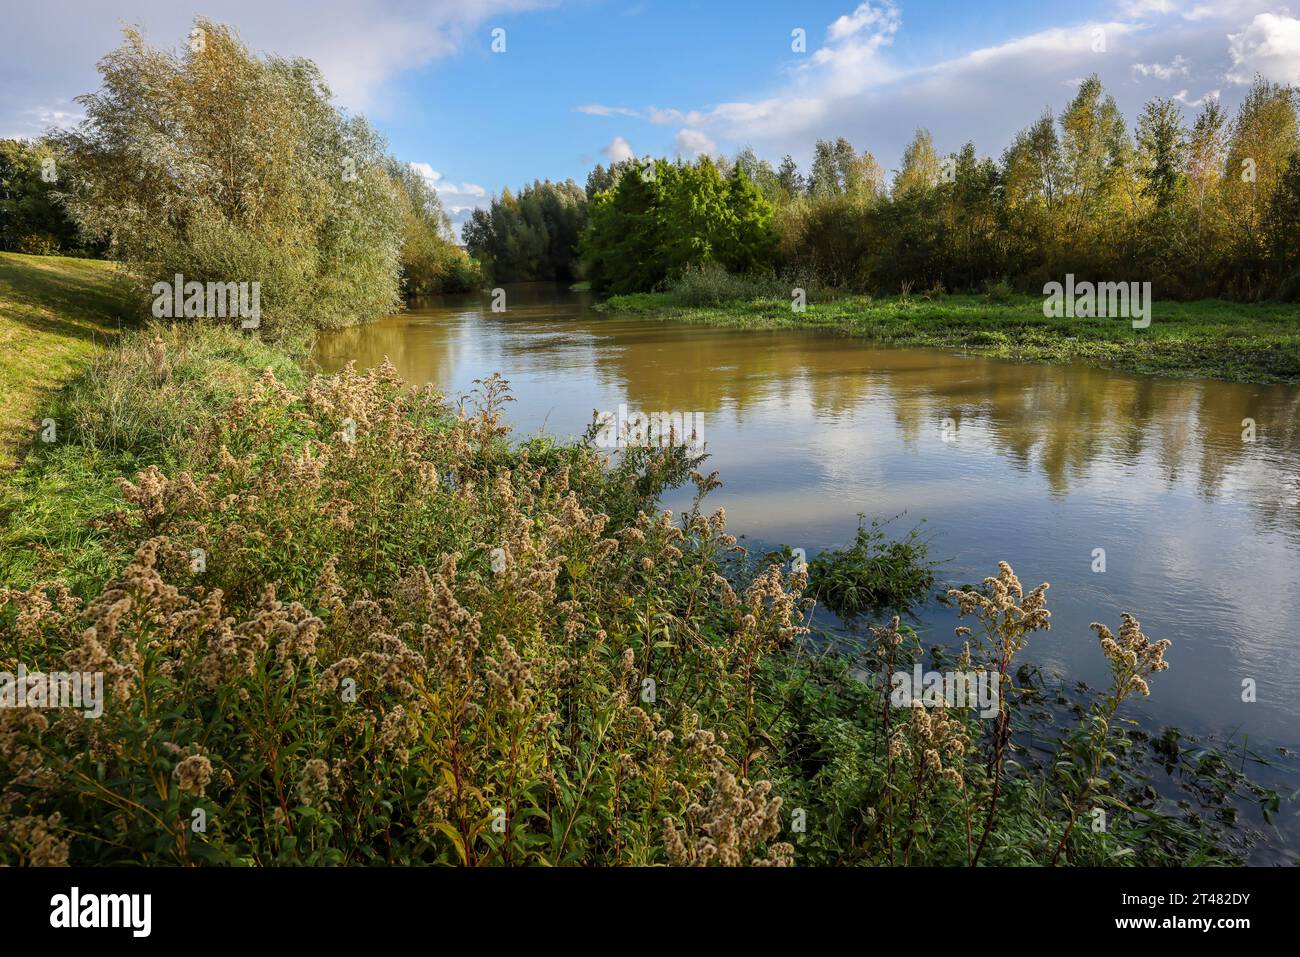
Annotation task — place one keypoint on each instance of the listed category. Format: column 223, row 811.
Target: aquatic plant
column 873, row 573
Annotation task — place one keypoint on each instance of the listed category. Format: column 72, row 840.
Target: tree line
column 1210, row 209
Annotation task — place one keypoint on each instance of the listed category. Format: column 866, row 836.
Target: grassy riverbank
column 340, row 623
column 1214, row 339
column 55, row 313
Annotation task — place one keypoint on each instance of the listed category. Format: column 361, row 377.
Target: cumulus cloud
column 692, row 143
column 599, row 109
column 854, row 85
column 458, row 200
column 879, row 22
column 1141, row 8
column 618, row 150
column 1270, row 46
column 1182, row 97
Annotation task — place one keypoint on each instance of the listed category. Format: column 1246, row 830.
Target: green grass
column 55, row 314
column 1206, row 339
column 115, row 409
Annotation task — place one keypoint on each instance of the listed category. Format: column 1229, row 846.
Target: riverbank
column 55, row 313
column 351, row 626
column 1210, row 339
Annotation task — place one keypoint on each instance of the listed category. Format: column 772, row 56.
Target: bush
column 999, row 292
column 401, row 633
column 872, row 574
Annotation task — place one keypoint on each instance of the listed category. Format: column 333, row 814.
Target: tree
column 748, row 242
column 1162, row 148
column 226, row 167
column 622, row 248
column 533, row 235
column 431, row 263
column 789, row 178
column 920, row 170
column 665, row 218
column 823, row 180
column 1259, row 152
column 32, row 218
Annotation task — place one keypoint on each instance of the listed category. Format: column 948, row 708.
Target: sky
column 575, row 82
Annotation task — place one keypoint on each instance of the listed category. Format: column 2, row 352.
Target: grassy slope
column 55, row 313
column 1222, row 340
column 115, row 412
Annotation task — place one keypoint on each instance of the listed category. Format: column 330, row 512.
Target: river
column 1039, row 465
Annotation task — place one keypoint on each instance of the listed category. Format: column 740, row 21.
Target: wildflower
column 193, row 774
column 313, row 786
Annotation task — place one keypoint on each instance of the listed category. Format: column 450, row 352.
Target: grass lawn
column 1213, row 339
column 55, row 312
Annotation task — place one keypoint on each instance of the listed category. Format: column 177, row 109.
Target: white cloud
column 1181, row 97
column 1140, row 8
column 618, row 150
column 1178, row 66
column 883, row 18
column 599, row 109
column 855, row 86
column 430, row 174
column 1270, row 46
column 691, row 143
column 458, row 201
column 48, row 50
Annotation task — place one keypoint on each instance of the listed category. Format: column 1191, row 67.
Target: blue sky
column 583, row 81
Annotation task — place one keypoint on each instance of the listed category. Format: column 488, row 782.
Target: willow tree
column 223, row 166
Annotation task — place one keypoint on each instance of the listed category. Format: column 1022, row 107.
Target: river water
column 1035, row 464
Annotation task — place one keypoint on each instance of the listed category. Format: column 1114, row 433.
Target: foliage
column 661, row 219
column 874, row 573
column 225, row 167
column 532, row 235
column 431, row 262
column 32, row 220
column 1206, row 209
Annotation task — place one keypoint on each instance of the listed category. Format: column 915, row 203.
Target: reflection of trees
column 1060, row 420
column 420, row 350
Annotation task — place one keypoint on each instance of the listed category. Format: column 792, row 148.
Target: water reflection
column 1201, row 529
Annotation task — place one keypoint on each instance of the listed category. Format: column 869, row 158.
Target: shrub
column 404, row 643
column 873, row 573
